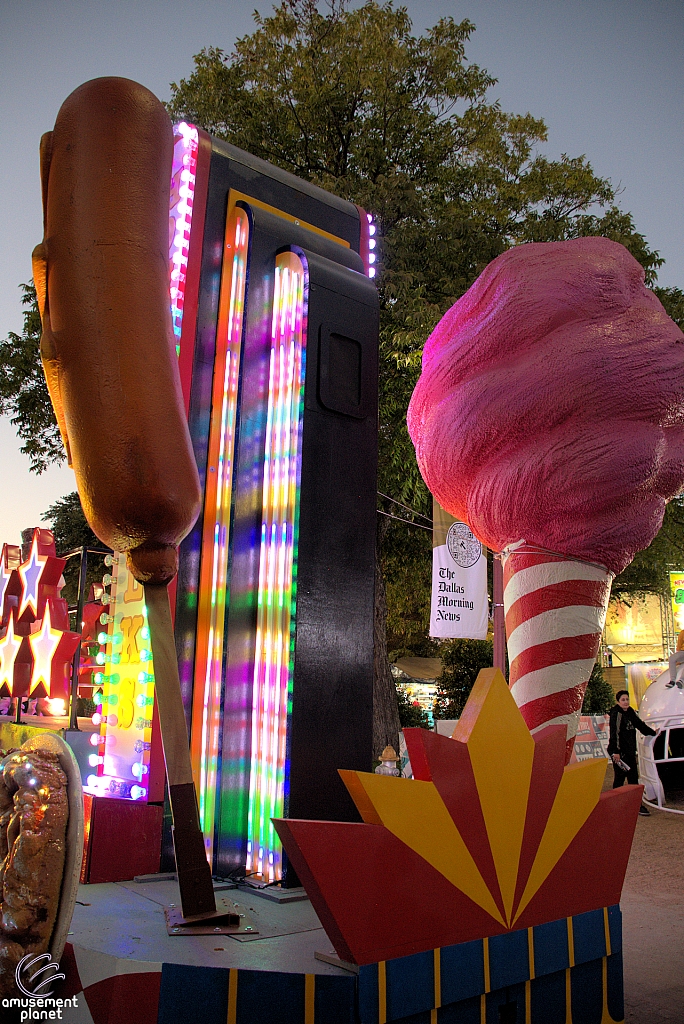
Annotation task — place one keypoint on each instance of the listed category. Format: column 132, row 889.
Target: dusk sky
column 607, row 76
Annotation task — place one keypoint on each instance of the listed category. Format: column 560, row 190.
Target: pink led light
column 372, row 242
column 183, row 175
column 368, row 241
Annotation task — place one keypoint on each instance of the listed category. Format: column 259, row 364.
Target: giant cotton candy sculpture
column 549, row 416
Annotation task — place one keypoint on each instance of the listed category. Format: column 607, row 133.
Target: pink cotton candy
column 551, row 403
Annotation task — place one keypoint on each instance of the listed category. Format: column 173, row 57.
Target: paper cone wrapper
column 555, row 610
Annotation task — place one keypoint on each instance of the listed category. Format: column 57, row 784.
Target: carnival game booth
column 661, row 757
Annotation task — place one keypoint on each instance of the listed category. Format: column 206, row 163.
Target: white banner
column 459, row 606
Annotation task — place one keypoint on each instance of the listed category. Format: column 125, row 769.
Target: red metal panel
column 122, row 839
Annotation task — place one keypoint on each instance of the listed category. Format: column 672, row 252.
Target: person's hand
column 616, row 757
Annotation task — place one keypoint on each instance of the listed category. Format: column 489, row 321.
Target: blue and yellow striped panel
column 215, row 996
column 443, row 984
column 564, row 972
column 590, row 993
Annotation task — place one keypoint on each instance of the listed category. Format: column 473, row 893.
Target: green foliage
column 673, row 301
column 400, row 124
column 411, row 716
column 348, row 99
column 648, row 573
column 85, row 707
column 462, row 660
column 407, row 568
column 598, row 696
column 23, row 391
column 68, row 523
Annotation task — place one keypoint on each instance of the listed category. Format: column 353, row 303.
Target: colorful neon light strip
column 216, row 530
column 183, row 176
column 276, row 602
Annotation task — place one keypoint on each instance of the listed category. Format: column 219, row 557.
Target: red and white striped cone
column 555, row 610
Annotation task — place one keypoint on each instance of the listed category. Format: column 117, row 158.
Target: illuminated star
column 44, row 645
column 9, row 649
column 30, row 573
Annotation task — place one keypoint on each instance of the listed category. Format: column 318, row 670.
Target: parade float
column 221, row 419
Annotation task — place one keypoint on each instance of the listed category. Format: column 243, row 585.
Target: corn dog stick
column 194, row 874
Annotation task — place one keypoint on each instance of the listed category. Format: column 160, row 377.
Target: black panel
column 330, row 464
column 331, row 723
column 332, row 715
column 341, row 373
column 292, row 195
column 233, row 168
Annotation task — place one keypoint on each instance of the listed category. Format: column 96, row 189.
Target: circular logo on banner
column 464, row 548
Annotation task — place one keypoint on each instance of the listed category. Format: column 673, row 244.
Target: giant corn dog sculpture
column 550, row 417
column 101, row 275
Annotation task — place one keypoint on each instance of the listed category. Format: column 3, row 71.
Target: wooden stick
column 194, row 873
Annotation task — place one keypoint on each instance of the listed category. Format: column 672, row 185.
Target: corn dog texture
column 107, row 347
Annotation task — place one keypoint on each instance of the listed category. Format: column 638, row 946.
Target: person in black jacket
column 624, row 722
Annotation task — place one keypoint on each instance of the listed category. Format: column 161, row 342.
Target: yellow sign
column 634, row 631
column 677, row 596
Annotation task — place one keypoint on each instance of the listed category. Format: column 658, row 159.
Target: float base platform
column 124, row 969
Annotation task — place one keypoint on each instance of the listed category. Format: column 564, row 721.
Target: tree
column 66, row 520
column 648, row 573
column 462, row 661
column 23, row 391
column 598, row 696
column 411, row 715
column 673, row 301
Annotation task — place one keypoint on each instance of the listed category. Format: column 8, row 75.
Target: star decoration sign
column 10, row 646
column 53, row 651
column 36, row 650
column 40, row 576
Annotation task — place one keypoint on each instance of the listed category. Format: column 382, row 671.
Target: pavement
column 653, row 920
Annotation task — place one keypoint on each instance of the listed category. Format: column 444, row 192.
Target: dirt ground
column 653, row 919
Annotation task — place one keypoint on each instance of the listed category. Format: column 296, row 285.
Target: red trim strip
column 567, row 594
column 554, row 652
column 545, row 709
